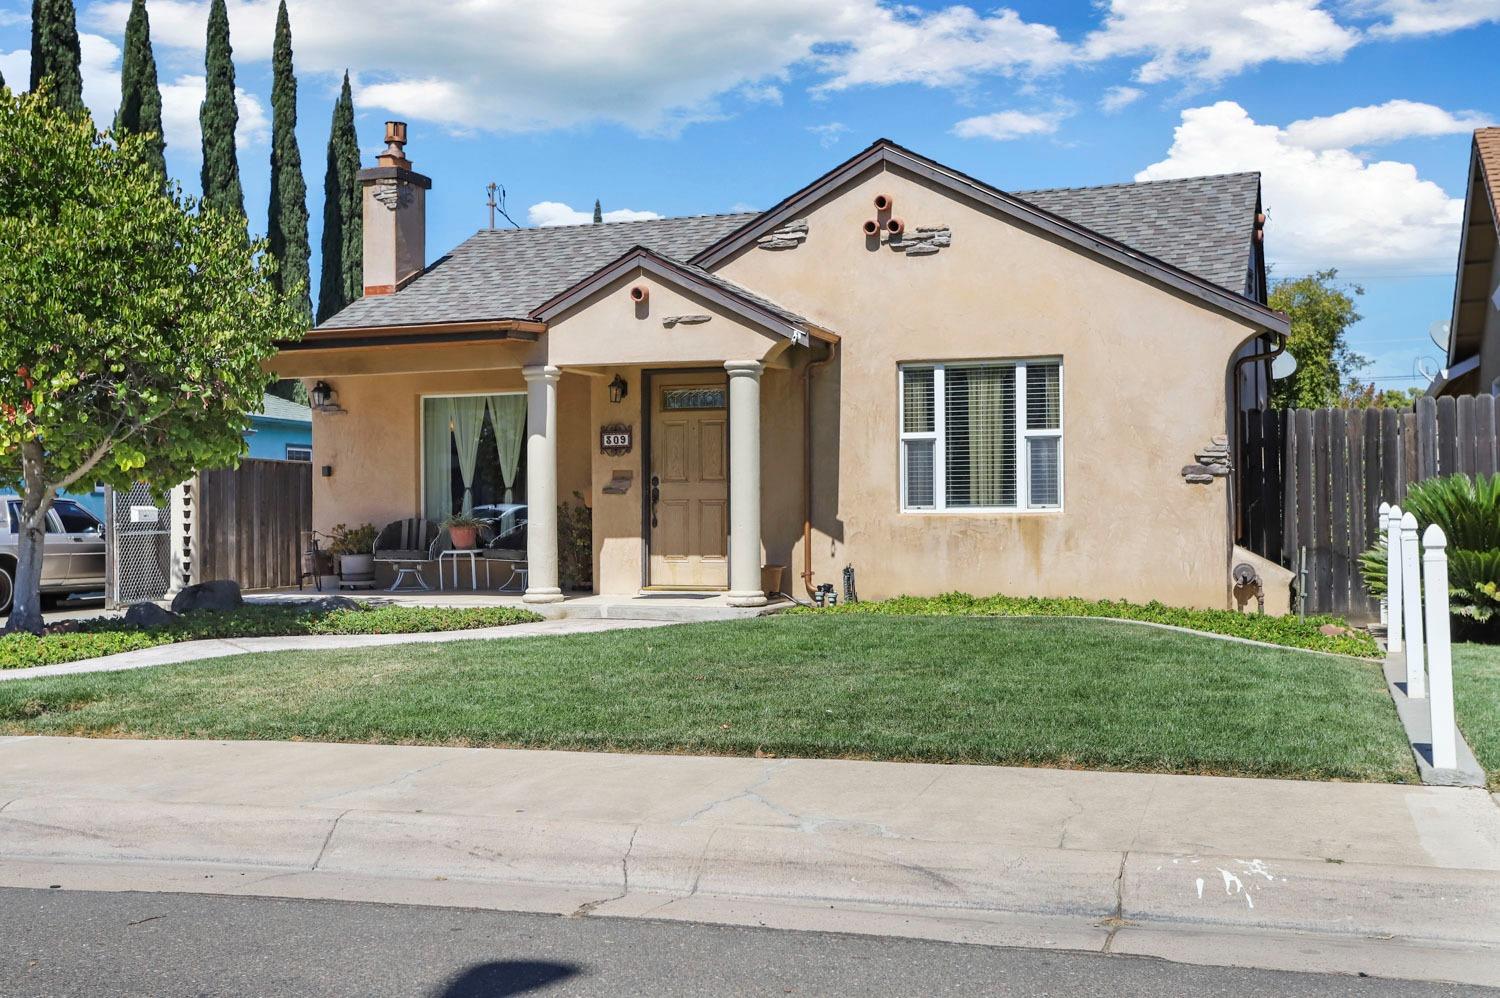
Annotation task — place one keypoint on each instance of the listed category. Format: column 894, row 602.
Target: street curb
column 605, row 863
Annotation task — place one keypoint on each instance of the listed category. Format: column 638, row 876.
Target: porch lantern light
column 322, row 397
column 618, row 389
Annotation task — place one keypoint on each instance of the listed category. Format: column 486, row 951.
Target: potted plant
column 355, row 549
column 463, row 531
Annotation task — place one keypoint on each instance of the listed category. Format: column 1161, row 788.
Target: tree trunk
column 26, row 610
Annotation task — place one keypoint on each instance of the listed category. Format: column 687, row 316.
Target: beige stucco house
column 898, row 370
column 1473, row 366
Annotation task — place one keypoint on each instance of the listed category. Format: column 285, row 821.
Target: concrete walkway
column 1392, row 881
column 193, row 651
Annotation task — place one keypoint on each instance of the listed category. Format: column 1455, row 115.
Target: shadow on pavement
column 506, row 977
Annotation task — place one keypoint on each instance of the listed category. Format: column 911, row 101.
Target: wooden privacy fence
column 249, row 523
column 1314, row 479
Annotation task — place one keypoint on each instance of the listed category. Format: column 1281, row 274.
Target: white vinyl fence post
column 1393, row 577
column 1385, row 603
column 1439, row 648
column 1411, row 605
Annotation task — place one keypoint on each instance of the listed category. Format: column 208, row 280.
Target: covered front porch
column 617, row 448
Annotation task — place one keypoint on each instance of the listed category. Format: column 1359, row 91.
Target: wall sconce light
column 618, row 389
column 324, row 398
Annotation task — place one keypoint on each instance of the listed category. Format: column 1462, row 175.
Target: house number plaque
column 615, row 439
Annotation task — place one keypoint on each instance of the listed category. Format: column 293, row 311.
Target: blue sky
column 1357, row 112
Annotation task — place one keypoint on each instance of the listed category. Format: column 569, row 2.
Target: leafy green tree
column 342, row 279
column 55, row 56
column 286, row 218
column 598, row 212
column 1364, row 395
column 140, row 93
column 1322, row 312
column 219, row 117
column 133, row 326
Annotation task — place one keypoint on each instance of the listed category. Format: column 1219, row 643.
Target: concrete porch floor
column 678, row 607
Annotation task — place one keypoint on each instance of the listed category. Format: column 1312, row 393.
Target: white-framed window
column 298, row 452
column 981, row 435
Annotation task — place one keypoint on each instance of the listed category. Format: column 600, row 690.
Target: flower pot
column 463, row 538
column 330, row 583
column 356, row 567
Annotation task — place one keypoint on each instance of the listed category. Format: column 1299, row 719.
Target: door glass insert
column 680, row 399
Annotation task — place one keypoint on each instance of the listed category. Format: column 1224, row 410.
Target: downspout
column 807, row 462
column 1235, row 462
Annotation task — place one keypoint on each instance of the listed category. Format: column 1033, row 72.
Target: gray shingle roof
column 276, row 407
column 505, row 273
column 1201, row 225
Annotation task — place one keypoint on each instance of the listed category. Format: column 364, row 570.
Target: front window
column 984, row 435
column 473, row 457
column 75, row 519
column 298, row 452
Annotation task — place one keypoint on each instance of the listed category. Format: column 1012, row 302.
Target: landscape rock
column 328, row 604
column 220, row 595
column 148, row 616
column 1333, row 631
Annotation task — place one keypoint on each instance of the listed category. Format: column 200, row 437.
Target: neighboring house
column 282, row 431
column 1473, row 366
column 898, row 370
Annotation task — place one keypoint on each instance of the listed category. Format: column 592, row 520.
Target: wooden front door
column 689, row 488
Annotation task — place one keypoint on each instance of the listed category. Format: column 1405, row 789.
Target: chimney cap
column 395, row 146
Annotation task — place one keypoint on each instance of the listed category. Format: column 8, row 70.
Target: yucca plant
column 1467, row 509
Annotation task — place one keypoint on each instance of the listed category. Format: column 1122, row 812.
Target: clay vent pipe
column 639, row 293
column 895, row 226
column 883, row 202
column 871, row 227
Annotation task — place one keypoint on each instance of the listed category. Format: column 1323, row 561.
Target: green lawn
column 1476, row 701
column 1076, row 693
column 111, row 635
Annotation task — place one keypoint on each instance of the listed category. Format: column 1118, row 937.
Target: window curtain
column 468, row 424
column 981, row 423
column 508, row 417
column 437, row 458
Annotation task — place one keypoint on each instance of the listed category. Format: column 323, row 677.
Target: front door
column 689, row 488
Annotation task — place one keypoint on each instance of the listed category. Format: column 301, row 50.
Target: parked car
column 72, row 557
column 507, row 525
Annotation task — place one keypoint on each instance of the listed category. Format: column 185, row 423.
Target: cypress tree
column 219, row 118
column 55, row 55
column 140, row 94
column 598, row 212
column 286, row 218
column 342, row 278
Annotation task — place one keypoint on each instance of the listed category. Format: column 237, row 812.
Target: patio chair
column 406, row 545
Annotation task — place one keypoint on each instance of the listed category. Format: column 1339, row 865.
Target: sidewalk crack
column 587, row 908
column 1115, row 922
column 329, row 837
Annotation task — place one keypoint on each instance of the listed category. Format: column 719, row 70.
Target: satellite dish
column 1439, row 333
column 1427, row 368
column 1284, row 366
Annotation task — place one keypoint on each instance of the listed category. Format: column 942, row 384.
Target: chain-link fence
column 139, row 548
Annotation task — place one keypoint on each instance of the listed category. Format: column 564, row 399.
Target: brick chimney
column 394, row 200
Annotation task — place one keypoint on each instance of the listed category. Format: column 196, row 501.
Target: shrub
column 352, row 540
column 1467, row 509
column 575, row 543
column 1293, row 632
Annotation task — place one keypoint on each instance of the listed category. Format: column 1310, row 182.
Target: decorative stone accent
column 685, row 320
column 924, row 240
column 1211, row 461
column 789, row 236
column 393, row 195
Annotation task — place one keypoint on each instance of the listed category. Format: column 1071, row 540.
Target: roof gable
column 1478, row 247
column 887, row 154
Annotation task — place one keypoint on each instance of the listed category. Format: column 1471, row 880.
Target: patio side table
column 453, row 554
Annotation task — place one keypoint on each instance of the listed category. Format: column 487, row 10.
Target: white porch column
column 541, row 484
column 744, row 483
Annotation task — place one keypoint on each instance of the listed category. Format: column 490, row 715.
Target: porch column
column 541, row 484
column 744, row 483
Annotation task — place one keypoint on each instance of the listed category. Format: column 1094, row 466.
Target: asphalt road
column 169, row 945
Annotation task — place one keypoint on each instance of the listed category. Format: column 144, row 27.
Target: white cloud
column 939, row 48
column 1328, row 207
column 1213, row 39
column 545, row 213
column 180, row 104
column 99, row 63
column 16, row 68
column 1005, row 125
column 829, row 134
column 762, row 93
column 1378, row 123
column 1119, row 98
column 1430, row 17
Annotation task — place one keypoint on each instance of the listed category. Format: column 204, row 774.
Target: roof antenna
column 498, row 204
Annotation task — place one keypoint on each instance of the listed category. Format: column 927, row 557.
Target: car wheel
column 7, row 589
